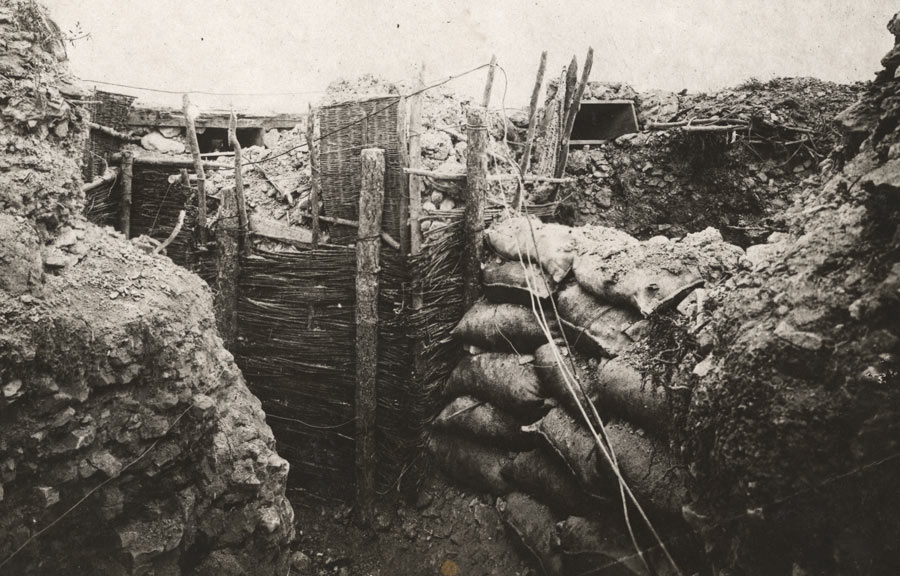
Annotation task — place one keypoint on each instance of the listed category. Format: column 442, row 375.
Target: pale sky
column 300, row 46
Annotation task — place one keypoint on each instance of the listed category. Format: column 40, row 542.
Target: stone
column 271, row 138
column 436, row 145
column 12, row 388
column 56, row 259
column 448, row 204
column 47, row 496
column 21, row 265
column 156, row 142
column 805, row 340
column 578, row 163
column 170, row 131
column 301, row 562
column 67, row 237
column 437, row 198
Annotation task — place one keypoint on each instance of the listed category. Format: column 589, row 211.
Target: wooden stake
column 403, row 147
column 314, row 174
column 551, row 126
column 489, row 85
column 415, row 183
column 191, row 132
column 227, row 268
column 476, row 192
column 127, row 177
column 368, row 245
column 238, row 181
column 108, row 177
column 532, row 122
column 570, row 117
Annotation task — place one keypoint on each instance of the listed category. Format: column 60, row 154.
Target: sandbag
column 602, row 548
column 614, row 386
column 552, row 381
column 577, row 448
column 479, row 420
column 502, row 380
column 470, row 463
column 597, row 327
column 535, row 527
column 648, row 276
column 618, row 389
column 542, row 474
column 500, row 327
column 527, row 238
column 655, row 475
column 516, row 282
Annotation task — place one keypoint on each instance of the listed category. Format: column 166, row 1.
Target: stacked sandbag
column 517, row 406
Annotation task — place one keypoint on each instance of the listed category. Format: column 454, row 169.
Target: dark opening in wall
column 216, row 139
column 606, row 120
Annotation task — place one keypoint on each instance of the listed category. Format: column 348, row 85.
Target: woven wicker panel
column 303, row 369
column 346, row 129
column 112, row 111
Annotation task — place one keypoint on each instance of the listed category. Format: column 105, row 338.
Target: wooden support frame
column 371, row 210
column 476, row 193
column 313, row 174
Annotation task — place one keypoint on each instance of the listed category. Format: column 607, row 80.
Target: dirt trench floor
column 448, row 531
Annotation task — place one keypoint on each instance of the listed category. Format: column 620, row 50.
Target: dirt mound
column 792, row 427
column 129, row 442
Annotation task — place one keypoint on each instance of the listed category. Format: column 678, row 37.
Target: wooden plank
column 127, row 178
column 476, row 193
column 371, row 210
column 403, row 153
column 170, row 117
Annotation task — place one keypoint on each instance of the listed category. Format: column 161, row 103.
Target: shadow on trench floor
column 448, row 531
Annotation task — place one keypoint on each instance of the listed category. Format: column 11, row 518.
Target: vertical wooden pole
column 477, row 172
column 415, row 182
column 313, row 174
column 368, row 246
column 572, row 111
column 240, row 205
column 403, row 141
column 127, row 178
column 191, row 133
column 532, row 119
column 489, row 85
column 227, row 268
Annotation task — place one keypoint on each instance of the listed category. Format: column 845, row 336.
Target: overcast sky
column 299, row 46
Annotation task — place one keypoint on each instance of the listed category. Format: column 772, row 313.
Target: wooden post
column 489, row 85
column 368, row 246
column 570, row 117
column 476, row 191
column 240, row 205
column 415, row 182
column 532, row 122
column 525, row 162
column 313, row 174
column 227, row 268
column 127, row 178
column 191, row 134
column 403, row 146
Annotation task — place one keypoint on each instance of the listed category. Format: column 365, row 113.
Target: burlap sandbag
column 647, row 277
column 500, row 327
column 616, row 388
column 619, row 390
column 470, row 463
column 542, row 474
column 577, row 448
column 597, row 327
column 534, row 525
column 482, row 421
column 516, row 282
column 501, row 379
column 655, row 475
column 527, row 238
